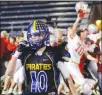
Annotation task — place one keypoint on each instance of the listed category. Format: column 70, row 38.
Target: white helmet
column 81, row 6
column 92, row 28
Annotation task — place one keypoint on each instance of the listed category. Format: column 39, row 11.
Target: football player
column 76, row 48
column 38, row 59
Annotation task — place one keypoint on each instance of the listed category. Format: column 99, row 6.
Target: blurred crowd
column 8, row 44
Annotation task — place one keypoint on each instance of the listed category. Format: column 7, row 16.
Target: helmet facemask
column 36, row 40
column 37, row 34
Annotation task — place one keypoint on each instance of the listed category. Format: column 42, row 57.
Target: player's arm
column 75, row 25
column 12, row 64
column 90, row 57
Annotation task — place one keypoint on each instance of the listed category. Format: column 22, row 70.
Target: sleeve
column 23, row 57
column 20, row 57
column 27, row 52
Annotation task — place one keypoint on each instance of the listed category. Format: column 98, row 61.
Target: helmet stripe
column 34, row 25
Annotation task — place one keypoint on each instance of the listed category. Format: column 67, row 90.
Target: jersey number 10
column 80, row 50
column 39, row 81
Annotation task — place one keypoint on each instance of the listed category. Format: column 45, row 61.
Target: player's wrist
column 78, row 19
column 8, row 77
column 17, row 54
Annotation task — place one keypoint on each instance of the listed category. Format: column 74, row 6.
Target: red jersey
column 3, row 44
column 11, row 47
column 99, row 67
column 81, row 65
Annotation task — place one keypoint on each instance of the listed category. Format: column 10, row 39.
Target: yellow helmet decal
column 34, row 25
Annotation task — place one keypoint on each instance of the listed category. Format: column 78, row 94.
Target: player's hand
column 97, row 60
column 81, row 14
column 100, row 62
column 22, row 46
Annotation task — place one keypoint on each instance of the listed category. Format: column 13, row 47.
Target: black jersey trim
column 26, row 59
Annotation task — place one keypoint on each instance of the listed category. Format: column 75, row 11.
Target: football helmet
column 81, row 8
column 38, row 34
column 92, row 28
